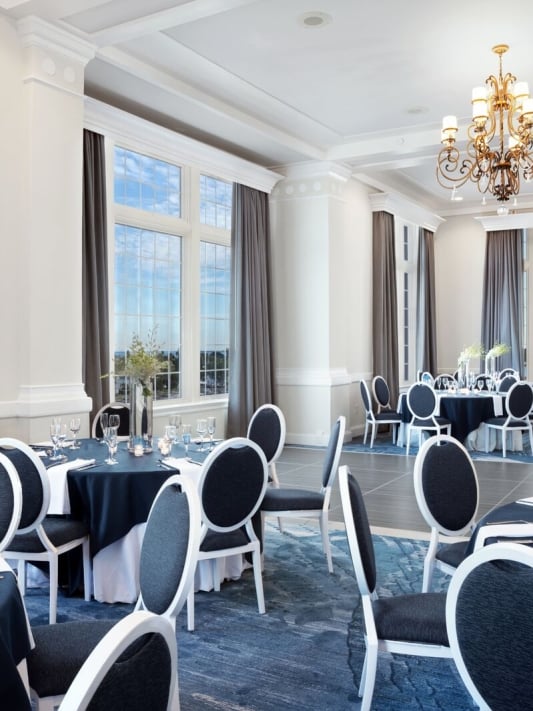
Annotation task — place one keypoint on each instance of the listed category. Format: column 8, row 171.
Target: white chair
column 39, row 537
column 134, row 667
column 447, row 494
column 518, row 404
column 168, row 559
column 374, row 419
column 422, row 404
column 404, row 624
column 10, row 502
column 381, row 393
column 307, row 504
column 490, row 627
column 121, row 409
column 232, row 484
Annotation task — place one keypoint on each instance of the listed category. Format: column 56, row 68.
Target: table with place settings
column 115, row 501
column 467, row 412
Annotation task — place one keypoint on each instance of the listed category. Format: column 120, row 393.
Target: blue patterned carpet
column 307, row 652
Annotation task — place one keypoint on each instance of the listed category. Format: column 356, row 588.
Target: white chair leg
column 216, row 573
column 256, row 558
column 408, row 439
column 190, row 610
column 53, row 565
column 21, row 576
column 373, row 435
column 504, row 443
column 371, row 661
column 366, row 431
column 324, row 529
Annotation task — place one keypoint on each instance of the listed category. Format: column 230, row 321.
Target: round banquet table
column 115, row 501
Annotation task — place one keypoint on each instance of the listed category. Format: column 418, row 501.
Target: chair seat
column 386, row 416
column 286, row 499
column 500, row 422
column 58, row 529
column 60, row 650
column 418, row 617
column 452, row 554
column 442, row 421
column 215, row 541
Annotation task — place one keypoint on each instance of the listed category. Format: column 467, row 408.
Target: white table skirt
column 116, row 567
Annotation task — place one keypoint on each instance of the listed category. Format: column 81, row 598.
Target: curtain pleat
column 251, row 370
column 426, row 341
column 95, row 290
column 502, row 311
column 384, row 302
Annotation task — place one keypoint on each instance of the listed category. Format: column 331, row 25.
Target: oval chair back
column 10, row 501
column 519, row 400
column 381, row 392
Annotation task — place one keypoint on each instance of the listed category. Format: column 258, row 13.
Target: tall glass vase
column 141, row 415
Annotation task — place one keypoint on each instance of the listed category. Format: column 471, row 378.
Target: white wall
column 459, row 263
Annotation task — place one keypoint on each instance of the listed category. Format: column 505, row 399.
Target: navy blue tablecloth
column 112, row 499
column 14, row 645
column 465, row 412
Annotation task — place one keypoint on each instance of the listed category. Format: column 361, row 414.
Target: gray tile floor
column 387, row 484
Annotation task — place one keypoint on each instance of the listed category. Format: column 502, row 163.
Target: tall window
column 406, row 256
column 171, row 272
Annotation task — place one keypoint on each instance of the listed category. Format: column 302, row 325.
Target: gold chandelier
column 502, row 115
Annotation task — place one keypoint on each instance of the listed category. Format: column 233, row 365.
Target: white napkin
column 57, row 475
column 186, row 467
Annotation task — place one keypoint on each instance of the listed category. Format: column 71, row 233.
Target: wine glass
column 186, row 437
column 75, row 424
column 55, row 431
column 170, row 436
column 175, row 420
column 110, row 438
column 211, row 427
column 104, row 423
column 62, row 436
column 114, row 421
column 201, row 428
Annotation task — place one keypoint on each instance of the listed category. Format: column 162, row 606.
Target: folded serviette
column 190, row 469
column 59, row 501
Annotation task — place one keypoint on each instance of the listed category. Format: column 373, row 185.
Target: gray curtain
column 95, row 296
column 502, row 311
column 384, row 302
column 426, row 338
column 251, row 370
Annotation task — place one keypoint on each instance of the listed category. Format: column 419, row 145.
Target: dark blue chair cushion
column 265, row 430
column 286, row 499
column 452, row 554
column 420, row 617
column 30, row 480
column 59, row 529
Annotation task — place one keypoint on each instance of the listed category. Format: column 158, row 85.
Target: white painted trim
column 316, row 169
column 407, row 210
column 518, row 221
column 43, row 400
column 121, row 126
column 313, row 377
column 36, row 32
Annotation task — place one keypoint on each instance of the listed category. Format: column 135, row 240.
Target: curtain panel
column 502, row 310
column 426, row 336
column 384, row 302
column 251, row 370
column 95, row 296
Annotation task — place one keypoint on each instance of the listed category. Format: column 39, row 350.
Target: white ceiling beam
column 162, row 20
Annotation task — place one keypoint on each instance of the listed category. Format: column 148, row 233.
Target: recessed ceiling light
column 314, row 20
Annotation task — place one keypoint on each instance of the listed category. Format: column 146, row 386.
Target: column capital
column 54, row 56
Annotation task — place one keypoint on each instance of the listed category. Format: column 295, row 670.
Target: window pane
column 215, row 202
column 214, row 318
column 146, row 183
column 147, row 296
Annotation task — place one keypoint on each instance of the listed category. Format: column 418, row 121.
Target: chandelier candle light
column 500, row 138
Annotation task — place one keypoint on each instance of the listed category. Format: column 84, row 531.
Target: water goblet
column 75, row 424
column 201, row 428
column 114, row 421
column 175, row 420
column 62, row 436
column 186, row 437
column 55, row 431
column 170, row 436
column 211, row 427
column 104, row 423
column 110, row 438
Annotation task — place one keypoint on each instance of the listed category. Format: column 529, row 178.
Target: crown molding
column 35, row 32
column 407, row 210
column 517, row 221
column 123, row 126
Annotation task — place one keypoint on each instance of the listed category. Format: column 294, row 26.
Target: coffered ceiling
column 279, row 82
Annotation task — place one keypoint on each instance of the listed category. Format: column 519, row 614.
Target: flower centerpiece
column 497, row 350
column 466, row 355
column 143, row 362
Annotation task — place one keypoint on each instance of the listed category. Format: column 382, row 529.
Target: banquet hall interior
column 330, row 116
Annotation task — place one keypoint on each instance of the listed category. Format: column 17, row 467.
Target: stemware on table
column 211, row 428
column 201, row 428
column 75, row 424
column 110, row 438
column 186, row 437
